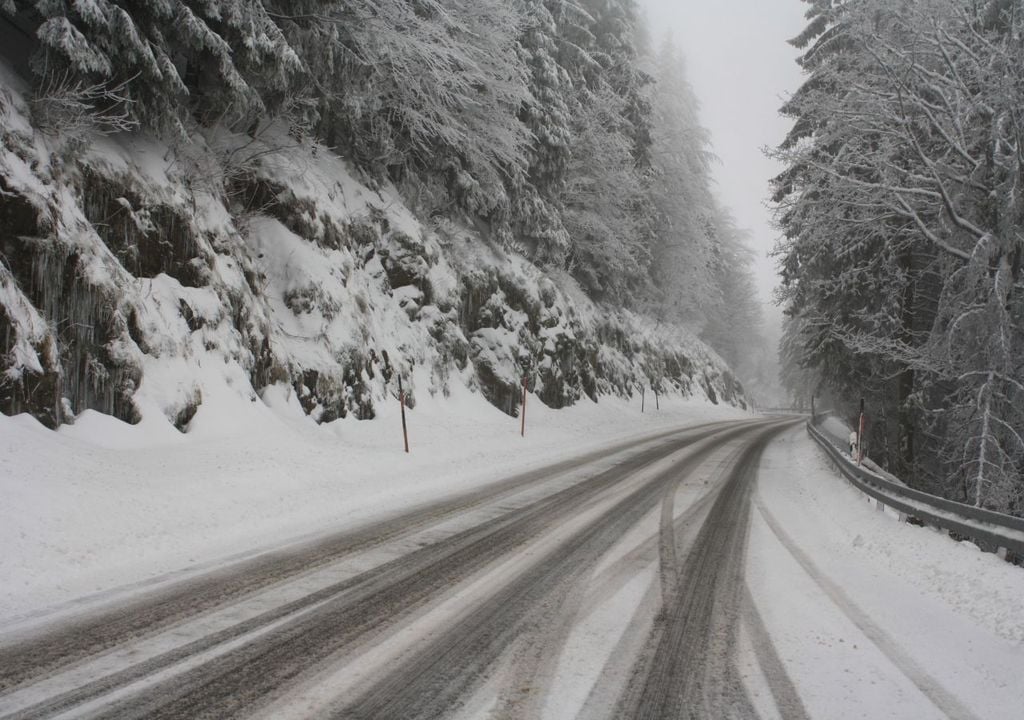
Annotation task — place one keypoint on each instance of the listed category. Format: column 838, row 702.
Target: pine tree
column 733, row 314
column 168, row 58
column 903, row 251
column 680, row 193
column 427, row 92
column 538, row 200
column 614, row 31
column 609, row 255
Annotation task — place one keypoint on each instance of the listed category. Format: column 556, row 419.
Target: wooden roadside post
column 643, row 398
column 860, row 435
column 522, row 414
column 401, row 401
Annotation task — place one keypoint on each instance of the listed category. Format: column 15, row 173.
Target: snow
column 310, row 283
column 870, row 617
column 30, row 329
column 297, row 293
column 101, row 503
column 873, row 617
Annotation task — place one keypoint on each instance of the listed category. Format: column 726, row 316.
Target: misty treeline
column 902, row 209
column 553, row 126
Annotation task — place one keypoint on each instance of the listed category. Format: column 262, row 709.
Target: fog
column 741, row 68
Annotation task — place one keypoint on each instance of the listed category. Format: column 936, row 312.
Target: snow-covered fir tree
column 903, row 254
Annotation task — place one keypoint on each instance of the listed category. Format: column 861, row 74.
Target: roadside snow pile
column 872, row 617
column 874, row 556
column 142, row 280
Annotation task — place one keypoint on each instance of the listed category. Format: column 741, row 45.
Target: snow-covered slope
column 142, row 279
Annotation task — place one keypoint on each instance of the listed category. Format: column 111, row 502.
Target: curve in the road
column 67, row 642
column 442, row 674
column 532, row 614
column 231, row 685
column 690, row 669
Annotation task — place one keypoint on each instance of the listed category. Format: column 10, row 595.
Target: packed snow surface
column 868, row 616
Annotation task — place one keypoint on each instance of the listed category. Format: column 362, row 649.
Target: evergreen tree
column 903, row 247
column 610, row 254
column 607, row 208
column 547, row 114
column 424, row 92
column 225, row 59
column 614, row 30
column 680, row 194
column 733, row 314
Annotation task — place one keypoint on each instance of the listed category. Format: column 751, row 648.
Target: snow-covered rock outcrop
column 140, row 278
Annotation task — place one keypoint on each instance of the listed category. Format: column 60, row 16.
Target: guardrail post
column 1001, row 553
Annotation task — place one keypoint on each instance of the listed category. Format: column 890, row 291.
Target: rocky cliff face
column 138, row 277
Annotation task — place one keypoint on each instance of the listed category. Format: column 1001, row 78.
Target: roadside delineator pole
column 860, row 435
column 401, row 401
column 522, row 415
column 657, row 402
column 643, row 398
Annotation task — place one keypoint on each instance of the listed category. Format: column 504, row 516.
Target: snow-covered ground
column 872, row 617
column 868, row 617
column 102, row 504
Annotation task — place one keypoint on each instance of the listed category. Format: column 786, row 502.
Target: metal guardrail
column 782, row 411
column 991, row 531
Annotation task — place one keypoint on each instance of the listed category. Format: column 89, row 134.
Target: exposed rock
column 131, row 276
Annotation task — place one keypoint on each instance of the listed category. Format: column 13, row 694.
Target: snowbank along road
column 607, row 586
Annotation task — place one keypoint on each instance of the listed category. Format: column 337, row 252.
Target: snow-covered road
column 719, row 571
column 476, row 602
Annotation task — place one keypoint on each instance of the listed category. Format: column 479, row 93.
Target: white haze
column 741, row 68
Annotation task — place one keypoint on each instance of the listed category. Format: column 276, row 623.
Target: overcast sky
column 742, row 69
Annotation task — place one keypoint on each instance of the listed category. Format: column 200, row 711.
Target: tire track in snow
column 929, row 686
column 537, row 655
column 438, row 677
column 66, row 642
column 634, row 647
column 787, row 699
column 689, row 669
column 233, row 684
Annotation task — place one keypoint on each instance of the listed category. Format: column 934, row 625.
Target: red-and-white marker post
column 401, row 401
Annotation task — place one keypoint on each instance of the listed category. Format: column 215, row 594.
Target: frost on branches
column 904, row 222
column 486, row 187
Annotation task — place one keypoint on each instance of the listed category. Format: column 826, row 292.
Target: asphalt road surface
column 607, row 586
